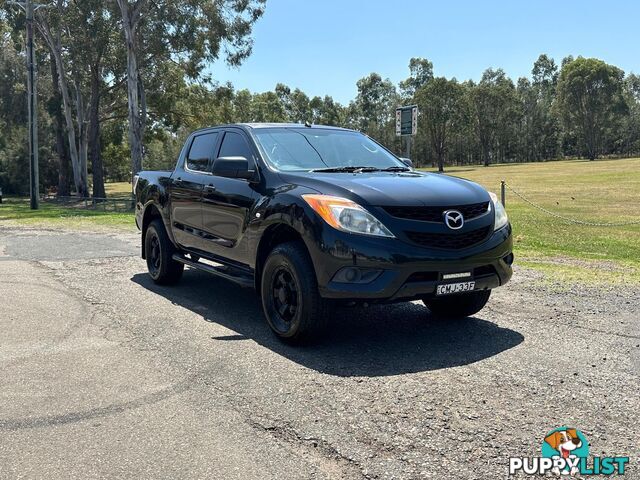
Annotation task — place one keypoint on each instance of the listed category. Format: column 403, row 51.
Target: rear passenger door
column 227, row 202
column 186, row 189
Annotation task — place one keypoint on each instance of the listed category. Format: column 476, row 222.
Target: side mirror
column 407, row 162
column 233, row 167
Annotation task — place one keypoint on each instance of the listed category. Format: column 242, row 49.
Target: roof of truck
column 273, row 125
column 288, row 125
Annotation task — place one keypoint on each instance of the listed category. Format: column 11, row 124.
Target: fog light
column 352, row 274
column 356, row 275
column 508, row 259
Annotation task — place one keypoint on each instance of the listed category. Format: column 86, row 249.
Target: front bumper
column 407, row 271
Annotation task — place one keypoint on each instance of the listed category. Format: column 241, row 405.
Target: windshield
column 304, row 149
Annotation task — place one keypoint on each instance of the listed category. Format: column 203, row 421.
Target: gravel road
column 105, row 375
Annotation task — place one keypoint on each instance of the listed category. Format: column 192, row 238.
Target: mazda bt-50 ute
column 314, row 216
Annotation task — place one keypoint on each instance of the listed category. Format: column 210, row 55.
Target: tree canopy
column 122, row 83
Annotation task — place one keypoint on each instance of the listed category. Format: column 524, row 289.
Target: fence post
column 503, row 193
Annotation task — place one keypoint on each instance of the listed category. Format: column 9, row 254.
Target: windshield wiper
column 396, row 169
column 349, row 169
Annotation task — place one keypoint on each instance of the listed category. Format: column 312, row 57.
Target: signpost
column 407, row 124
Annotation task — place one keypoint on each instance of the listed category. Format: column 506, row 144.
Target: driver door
column 227, row 202
column 186, row 190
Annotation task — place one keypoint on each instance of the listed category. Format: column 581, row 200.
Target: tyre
column 163, row 269
column 458, row 306
column 290, row 300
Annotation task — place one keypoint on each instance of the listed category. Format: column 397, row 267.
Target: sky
column 324, row 46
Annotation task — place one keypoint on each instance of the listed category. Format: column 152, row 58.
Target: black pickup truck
column 315, row 216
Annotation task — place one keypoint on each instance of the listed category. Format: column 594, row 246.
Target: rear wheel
column 292, row 305
column 458, row 306
column 159, row 250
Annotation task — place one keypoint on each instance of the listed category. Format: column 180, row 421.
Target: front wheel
column 292, row 305
column 458, row 306
column 159, row 250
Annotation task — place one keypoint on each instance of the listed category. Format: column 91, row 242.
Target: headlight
column 501, row 213
column 345, row 215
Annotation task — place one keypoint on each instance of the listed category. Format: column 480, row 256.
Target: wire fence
column 110, row 204
column 506, row 186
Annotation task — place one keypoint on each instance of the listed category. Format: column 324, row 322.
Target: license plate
column 449, row 288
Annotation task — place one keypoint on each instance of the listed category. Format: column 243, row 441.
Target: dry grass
column 118, row 189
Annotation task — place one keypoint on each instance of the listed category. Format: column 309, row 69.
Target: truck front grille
column 451, row 241
column 434, row 214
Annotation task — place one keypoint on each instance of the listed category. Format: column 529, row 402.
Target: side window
column 235, row 145
column 201, row 152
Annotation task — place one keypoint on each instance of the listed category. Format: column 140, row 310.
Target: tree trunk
column 55, row 48
column 143, row 106
column 58, row 125
column 95, row 153
column 130, row 22
column 71, row 131
column 82, row 140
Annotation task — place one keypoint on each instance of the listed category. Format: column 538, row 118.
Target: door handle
column 209, row 188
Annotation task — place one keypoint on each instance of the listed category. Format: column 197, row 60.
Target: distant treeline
column 90, row 119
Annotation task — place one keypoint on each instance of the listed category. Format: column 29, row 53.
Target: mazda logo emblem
column 453, row 219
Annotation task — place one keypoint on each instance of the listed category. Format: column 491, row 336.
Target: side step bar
column 228, row 273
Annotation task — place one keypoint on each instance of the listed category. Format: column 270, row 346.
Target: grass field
column 600, row 191
column 17, row 211
column 118, row 189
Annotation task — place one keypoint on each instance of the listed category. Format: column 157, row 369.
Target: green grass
column 16, row 211
column 599, row 191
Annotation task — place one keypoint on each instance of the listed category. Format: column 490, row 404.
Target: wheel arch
column 151, row 212
column 276, row 234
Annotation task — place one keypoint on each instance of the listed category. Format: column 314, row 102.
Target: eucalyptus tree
column 494, row 101
column 546, row 127
column 420, row 73
column 326, row 111
column 13, row 114
column 296, row 104
column 373, row 110
column 190, row 33
column 94, row 30
column 53, row 26
column 267, row 107
column 590, row 97
column 631, row 130
column 54, row 107
column 242, row 106
column 85, row 64
column 442, row 107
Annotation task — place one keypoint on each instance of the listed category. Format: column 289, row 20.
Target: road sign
column 407, row 120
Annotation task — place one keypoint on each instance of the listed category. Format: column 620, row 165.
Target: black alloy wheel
column 159, row 250
column 291, row 302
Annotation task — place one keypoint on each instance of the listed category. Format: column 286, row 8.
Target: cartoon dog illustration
column 565, row 442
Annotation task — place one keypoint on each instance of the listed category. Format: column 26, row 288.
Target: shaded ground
column 105, row 375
